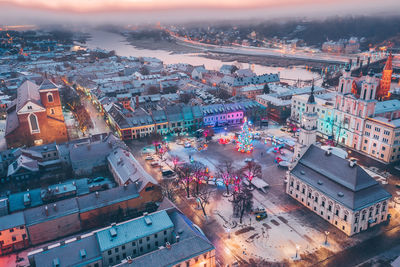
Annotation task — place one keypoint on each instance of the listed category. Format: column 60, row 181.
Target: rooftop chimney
column 97, row 194
column 55, row 206
column 46, row 210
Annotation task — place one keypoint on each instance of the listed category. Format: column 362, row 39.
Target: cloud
column 149, row 11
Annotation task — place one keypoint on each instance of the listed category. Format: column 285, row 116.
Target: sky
column 148, row 11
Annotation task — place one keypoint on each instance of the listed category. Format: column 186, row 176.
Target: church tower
column 386, row 80
column 308, row 130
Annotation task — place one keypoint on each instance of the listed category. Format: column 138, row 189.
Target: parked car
column 261, row 216
column 248, row 160
column 155, row 163
column 187, row 144
column 149, row 157
column 259, row 209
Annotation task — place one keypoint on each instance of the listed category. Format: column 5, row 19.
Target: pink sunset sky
column 134, row 11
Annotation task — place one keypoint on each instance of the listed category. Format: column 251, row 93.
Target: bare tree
column 227, row 174
column 250, row 171
column 168, row 188
column 203, row 197
column 185, row 177
column 199, row 171
column 242, row 202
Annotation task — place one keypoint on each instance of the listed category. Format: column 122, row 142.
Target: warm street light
column 297, row 252
column 326, row 237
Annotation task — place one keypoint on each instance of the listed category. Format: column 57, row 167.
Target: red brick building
column 35, row 117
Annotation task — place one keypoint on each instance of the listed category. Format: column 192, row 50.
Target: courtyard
column 290, row 230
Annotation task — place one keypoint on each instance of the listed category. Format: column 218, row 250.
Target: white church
column 336, row 189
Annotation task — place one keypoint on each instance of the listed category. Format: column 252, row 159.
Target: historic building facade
column 36, row 117
column 336, row 189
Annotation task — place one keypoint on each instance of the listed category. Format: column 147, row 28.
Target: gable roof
column 126, row 168
column 47, row 84
column 23, row 162
column 27, row 91
column 334, row 176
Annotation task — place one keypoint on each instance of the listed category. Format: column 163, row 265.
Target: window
column 155, row 235
column 52, row 112
column 147, row 238
column 117, row 258
column 368, row 126
column 337, row 212
column 165, row 232
column 141, row 249
column 323, row 204
column 123, row 247
column 50, row 97
column 377, row 129
column 33, row 123
column 330, row 208
column 124, row 255
column 156, row 244
column 13, row 238
column 134, row 251
column 11, row 230
column 140, row 241
column 345, row 218
column 133, row 244
column 386, row 132
column 148, row 246
column 109, row 252
column 110, row 260
column 116, row 250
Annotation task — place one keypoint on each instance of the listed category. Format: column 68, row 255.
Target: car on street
column 259, row 209
column 149, row 157
column 154, row 163
column 248, row 160
column 284, row 129
column 261, row 216
column 187, row 145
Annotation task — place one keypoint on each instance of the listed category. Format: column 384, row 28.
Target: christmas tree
column 245, row 140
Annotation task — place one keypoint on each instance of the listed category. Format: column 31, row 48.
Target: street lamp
column 326, row 237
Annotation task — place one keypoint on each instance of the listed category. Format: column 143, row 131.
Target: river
column 113, row 41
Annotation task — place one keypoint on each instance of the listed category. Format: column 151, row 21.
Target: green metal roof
column 138, row 228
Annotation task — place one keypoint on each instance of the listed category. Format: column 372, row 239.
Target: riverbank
column 180, row 48
column 172, row 46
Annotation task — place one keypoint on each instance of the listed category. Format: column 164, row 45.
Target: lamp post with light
column 326, row 237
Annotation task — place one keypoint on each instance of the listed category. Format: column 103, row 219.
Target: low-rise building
column 338, row 190
column 13, row 235
column 162, row 238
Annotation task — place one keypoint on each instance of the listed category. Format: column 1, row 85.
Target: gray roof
column 387, row 106
column 107, row 197
column 47, row 84
column 63, row 208
column 332, row 175
column 135, row 229
column 70, row 253
column 12, row 220
column 192, row 243
column 27, row 91
column 12, row 122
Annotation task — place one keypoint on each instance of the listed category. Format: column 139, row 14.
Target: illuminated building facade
column 36, row 116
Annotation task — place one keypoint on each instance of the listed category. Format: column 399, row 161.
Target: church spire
column 311, row 98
